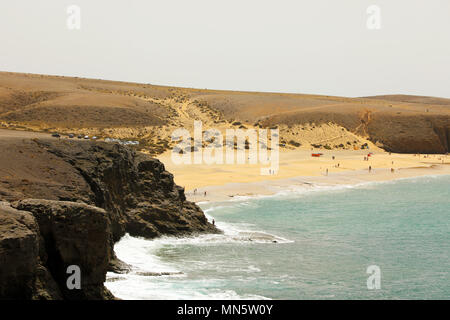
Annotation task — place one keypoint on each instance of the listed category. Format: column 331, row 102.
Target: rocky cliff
column 39, row 241
column 411, row 132
column 70, row 204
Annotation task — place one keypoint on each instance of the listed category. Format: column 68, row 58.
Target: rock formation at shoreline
column 42, row 238
column 139, row 194
column 77, row 200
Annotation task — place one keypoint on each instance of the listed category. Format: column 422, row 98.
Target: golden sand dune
column 150, row 113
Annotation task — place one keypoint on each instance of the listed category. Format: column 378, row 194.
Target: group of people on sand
column 366, row 158
column 428, row 156
column 204, row 194
column 195, row 192
column 338, row 165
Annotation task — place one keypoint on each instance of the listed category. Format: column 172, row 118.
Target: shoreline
column 298, row 169
column 240, row 190
column 263, row 235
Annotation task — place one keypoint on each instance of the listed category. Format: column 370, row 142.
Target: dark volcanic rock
column 84, row 197
column 73, row 234
column 19, row 251
column 22, row 274
column 139, row 195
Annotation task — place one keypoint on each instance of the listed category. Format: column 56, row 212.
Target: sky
column 315, row 46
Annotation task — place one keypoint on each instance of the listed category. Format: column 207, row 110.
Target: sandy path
column 8, row 134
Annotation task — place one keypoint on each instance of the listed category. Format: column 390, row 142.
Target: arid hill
column 150, row 113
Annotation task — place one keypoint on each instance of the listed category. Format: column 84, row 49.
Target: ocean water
column 307, row 243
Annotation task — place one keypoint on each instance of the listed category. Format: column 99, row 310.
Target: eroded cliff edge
column 67, row 203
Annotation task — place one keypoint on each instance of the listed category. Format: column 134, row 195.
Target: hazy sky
column 315, row 46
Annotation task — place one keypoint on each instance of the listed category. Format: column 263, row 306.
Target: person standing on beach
column 326, row 172
column 370, row 168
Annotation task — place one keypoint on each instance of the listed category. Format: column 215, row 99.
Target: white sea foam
column 295, row 190
column 175, row 281
column 139, row 253
column 155, row 289
column 143, row 283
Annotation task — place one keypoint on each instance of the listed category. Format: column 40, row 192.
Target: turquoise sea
column 314, row 243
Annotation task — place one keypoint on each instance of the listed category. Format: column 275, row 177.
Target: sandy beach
column 299, row 169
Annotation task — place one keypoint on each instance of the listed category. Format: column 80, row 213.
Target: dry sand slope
column 150, row 113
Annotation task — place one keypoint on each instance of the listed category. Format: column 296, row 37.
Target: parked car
column 56, row 135
column 71, row 135
column 86, row 137
column 80, row 136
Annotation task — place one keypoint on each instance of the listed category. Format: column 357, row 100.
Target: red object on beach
column 316, row 154
column 370, row 154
